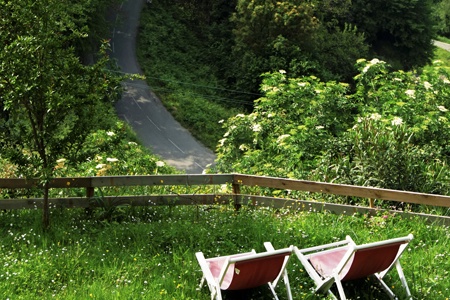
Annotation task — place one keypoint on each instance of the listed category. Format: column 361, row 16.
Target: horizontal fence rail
column 343, row 190
column 237, row 181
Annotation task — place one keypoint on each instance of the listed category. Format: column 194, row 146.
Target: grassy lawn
column 150, row 253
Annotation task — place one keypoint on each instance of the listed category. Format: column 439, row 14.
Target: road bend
column 154, row 125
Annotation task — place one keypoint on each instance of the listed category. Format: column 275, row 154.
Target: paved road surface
column 442, row 45
column 153, row 124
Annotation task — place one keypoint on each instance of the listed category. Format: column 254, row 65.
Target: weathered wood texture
column 342, row 190
column 236, row 180
column 116, row 181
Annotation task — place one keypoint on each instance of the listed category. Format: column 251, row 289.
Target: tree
column 270, row 35
column 442, row 13
column 399, row 31
column 50, row 98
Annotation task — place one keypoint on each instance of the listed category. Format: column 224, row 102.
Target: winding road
column 139, row 107
column 154, row 125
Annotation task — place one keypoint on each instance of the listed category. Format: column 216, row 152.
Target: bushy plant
column 391, row 131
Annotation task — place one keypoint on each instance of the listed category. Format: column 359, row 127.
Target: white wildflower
column 222, row 141
column 243, row 147
column 427, row 85
column 61, row 160
column 112, row 159
column 319, row 127
column 302, row 84
column 160, row 163
column 221, row 121
column 442, row 108
column 132, row 143
column 397, row 121
column 282, row 137
column 240, row 116
column 100, row 166
column 366, row 68
column 256, row 127
column 410, row 93
column 265, row 87
column 282, row 71
column 375, row 116
column 397, row 79
column 110, row 133
column 371, row 63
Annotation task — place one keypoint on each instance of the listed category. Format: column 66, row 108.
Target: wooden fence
column 237, row 181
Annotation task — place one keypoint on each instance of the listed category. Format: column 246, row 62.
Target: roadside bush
column 391, row 131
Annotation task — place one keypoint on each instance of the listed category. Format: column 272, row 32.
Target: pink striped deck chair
column 245, row 270
column 344, row 261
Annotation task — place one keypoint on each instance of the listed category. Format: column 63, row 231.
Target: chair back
column 369, row 260
column 255, row 270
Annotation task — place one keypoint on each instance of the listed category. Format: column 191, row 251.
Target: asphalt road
column 153, row 124
column 442, row 45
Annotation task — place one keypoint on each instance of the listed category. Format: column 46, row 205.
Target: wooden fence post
column 89, row 194
column 236, row 191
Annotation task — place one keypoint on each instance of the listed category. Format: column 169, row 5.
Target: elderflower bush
column 390, row 130
column 292, row 121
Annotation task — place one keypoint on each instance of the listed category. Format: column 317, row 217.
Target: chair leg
column 273, row 291
column 384, row 286
column 218, row 294
column 403, row 279
column 339, row 287
column 215, row 291
column 288, row 286
column 202, row 282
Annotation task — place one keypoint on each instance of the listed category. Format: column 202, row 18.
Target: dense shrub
column 392, row 131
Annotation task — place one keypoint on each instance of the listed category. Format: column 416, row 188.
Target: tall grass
column 150, row 254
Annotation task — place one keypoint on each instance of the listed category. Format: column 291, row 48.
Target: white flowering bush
column 391, row 130
column 287, row 128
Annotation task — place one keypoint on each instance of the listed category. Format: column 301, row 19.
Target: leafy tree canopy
column 50, row 100
column 398, row 31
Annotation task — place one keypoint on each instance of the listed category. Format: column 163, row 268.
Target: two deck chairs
column 328, row 265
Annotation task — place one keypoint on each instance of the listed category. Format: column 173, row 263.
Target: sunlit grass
column 151, row 253
column 441, row 59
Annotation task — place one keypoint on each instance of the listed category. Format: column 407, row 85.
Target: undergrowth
column 173, row 59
